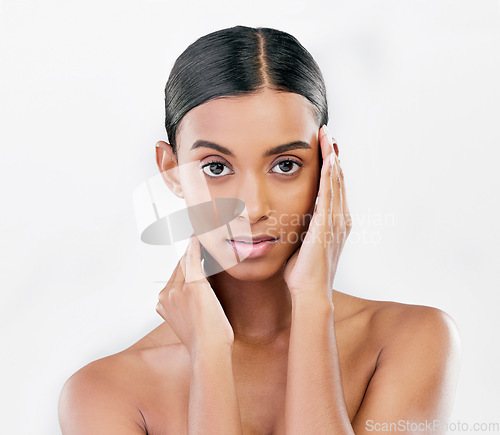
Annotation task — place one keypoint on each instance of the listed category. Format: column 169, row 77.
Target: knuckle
column 158, row 307
column 171, row 294
column 340, row 226
column 165, row 293
column 348, row 221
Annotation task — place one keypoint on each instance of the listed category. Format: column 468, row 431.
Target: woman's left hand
column 311, row 268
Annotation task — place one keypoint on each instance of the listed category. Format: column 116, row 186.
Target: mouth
column 253, row 239
column 254, row 248
column 253, row 242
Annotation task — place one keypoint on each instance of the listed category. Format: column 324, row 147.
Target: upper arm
column 415, row 378
column 90, row 403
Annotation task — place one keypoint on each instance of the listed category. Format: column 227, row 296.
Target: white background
column 413, row 90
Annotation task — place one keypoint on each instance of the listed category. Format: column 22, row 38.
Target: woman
column 264, row 346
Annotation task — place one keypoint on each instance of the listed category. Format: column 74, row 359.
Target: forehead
column 258, row 121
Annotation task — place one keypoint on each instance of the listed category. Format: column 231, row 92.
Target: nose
column 254, row 193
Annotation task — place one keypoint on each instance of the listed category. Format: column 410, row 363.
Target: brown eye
column 287, row 166
column 215, row 167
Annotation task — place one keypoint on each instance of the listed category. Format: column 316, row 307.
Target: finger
column 180, row 279
column 194, row 270
column 176, row 280
column 171, row 280
column 345, row 207
column 324, row 205
column 338, row 213
column 325, row 143
column 172, row 277
column 165, row 292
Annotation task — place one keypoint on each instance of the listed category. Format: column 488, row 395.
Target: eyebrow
column 298, row 144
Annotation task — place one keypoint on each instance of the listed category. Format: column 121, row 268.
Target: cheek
column 195, row 194
column 299, row 199
column 293, row 214
column 193, row 183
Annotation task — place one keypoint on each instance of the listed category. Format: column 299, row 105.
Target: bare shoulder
column 107, row 395
column 396, row 323
column 429, row 328
column 97, row 399
column 416, row 370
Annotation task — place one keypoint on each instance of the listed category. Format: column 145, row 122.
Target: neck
column 259, row 311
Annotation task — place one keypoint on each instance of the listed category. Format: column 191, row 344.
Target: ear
column 168, row 166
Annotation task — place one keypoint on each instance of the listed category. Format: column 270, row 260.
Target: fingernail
column 336, row 147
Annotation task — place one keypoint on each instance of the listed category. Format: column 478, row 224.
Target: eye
column 286, row 165
column 216, row 167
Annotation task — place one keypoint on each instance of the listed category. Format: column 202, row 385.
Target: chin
column 222, row 258
column 246, row 271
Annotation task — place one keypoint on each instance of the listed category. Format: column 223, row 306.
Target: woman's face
column 278, row 188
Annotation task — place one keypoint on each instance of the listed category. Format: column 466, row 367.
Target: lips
column 253, row 242
column 253, row 239
column 250, row 249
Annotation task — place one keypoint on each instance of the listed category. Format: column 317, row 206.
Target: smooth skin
column 266, row 347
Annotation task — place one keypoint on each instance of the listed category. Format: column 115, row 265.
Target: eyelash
column 281, row 161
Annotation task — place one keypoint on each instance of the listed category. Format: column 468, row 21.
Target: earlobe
column 167, row 164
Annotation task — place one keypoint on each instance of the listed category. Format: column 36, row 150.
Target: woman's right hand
column 190, row 306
